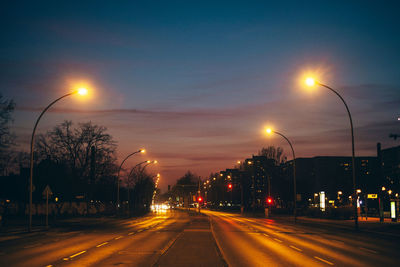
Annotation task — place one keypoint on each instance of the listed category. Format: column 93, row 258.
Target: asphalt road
column 179, row 238
column 269, row 242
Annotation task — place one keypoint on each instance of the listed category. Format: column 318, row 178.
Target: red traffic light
column 199, row 199
column 229, row 186
column 269, row 200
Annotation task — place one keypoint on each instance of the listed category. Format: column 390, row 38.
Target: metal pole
column 294, row 174
column 47, row 208
column 31, row 158
column 119, row 169
column 352, row 155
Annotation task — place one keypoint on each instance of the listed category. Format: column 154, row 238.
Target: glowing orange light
column 310, row 81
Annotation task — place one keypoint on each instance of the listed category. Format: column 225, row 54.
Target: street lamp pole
column 119, row 169
column 81, row 91
column 294, row 171
column 352, row 149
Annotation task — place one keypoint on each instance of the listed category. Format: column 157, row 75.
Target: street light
column 119, row 169
column 312, row 82
column 269, row 131
column 80, row 91
column 150, row 162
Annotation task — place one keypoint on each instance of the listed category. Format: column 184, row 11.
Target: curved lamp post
column 150, row 162
column 119, row 170
column 269, row 131
column 312, row 82
column 81, row 91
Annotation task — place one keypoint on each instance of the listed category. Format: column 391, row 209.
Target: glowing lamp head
column 200, row 199
column 82, row 91
column 269, row 200
column 310, row 81
column 269, row 131
column 149, row 161
column 142, row 150
column 155, row 162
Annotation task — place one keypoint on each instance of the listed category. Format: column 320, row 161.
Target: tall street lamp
column 119, row 169
column 312, row 82
column 269, row 131
column 150, row 162
column 81, row 91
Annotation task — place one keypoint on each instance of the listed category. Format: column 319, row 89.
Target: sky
column 197, row 82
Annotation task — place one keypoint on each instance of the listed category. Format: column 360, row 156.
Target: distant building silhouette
column 391, row 168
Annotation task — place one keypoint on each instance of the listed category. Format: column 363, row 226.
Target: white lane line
column 77, row 254
column 369, row 250
column 119, row 237
column 296, row 248
column 131, row 233
column 33, row 245
column 266, row 235
column 327, row 262
column 336, row 241
column 102, row 244
column 139, row 230
column 276, row 239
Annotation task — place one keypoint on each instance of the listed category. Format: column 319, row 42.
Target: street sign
column 372, row 195
column 47, row 191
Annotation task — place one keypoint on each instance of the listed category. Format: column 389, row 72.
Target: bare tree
column 7, row 138
column 6, row 109
column 273, row 153
column 73, row 147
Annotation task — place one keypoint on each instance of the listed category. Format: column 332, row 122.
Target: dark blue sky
column 195, row 82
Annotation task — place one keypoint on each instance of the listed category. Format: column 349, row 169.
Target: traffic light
column 269, row 200
column 230, row 186
column 199, row 199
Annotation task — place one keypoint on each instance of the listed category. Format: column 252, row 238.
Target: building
column 333, row 175
column 391, row 168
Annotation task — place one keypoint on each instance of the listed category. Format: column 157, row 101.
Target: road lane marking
column 77, row 254
column 276, row 239
column 327, row 262
column 131, row 233
column 102, row 244
column 336, row 241
column 266, row 235
column 139, row 230
column 296, row 248
column 119, row 237
column 369, row 250
column 33, row 245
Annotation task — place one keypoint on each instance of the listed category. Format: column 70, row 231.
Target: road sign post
column 46, row 193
